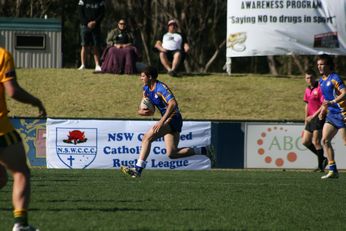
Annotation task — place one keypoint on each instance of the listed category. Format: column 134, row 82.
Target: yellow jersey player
column 12, row 153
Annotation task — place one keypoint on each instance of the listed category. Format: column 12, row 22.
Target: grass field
column 215, row 200
column 81, row 94
column 247, row 200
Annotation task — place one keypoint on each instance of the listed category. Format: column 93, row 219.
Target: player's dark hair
column 328, row 59
column 150, row 71
column 310, row 71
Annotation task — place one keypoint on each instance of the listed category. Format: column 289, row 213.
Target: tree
column 203, row 23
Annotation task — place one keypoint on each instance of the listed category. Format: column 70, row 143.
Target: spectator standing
column 91, row 14
column 12, row 153
column 313, row 124
column 121, row 55
column 173, row 48
column 334, row 93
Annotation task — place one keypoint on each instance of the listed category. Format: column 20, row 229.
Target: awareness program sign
column 280, row 146
column 284, row 27
column 81, row 144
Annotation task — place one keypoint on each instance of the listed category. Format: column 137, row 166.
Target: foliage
column 203, row 22
column 198, row 20
column 100, row 200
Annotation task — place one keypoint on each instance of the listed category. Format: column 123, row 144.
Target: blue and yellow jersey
column 160, row 96
column 7, row 72
column 331, row 87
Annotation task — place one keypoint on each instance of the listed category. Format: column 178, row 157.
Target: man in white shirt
column 172, row 48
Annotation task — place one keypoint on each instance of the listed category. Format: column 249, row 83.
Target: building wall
column 50, row 57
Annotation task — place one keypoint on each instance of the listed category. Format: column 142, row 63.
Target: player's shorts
column 337, row 120
column 314, row 124
column 176, row 123
column 10, row 138
column 170, row 54
column 90, row 37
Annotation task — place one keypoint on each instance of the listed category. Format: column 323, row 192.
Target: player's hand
column 308, row 119
column 157, row 126
column 42, row 113
column 91, row 24
column 328, row 103
column 145, row 112
column 321, row 115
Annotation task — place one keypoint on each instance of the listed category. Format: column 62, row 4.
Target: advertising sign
column 280, row 146
column 284, row 27
column 33, row 134
column 80, row 144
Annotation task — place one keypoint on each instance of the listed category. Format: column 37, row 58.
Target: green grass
column 247, row 200
column 174, row 200
column 81, row 94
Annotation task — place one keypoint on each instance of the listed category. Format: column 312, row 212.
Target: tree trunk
column 212, row 59
column 289, row 65
column 18, row 8
column 272, row 65
column 299, row 65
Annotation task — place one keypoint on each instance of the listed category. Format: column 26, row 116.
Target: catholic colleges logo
column 76, row 147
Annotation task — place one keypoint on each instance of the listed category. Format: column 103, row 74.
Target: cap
column 172, row 22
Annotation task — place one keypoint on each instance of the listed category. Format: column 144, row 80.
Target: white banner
column 280, row 146
column 79, row 144
column 284, row 27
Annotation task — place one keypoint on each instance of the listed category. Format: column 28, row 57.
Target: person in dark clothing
column 91, row 14
column 121, row 55
column 312, row 133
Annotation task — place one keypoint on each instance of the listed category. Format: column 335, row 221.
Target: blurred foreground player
column 12, row 153
column 334, row 92
column 169, row 126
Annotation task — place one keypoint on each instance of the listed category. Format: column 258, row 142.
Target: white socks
column 141, row 163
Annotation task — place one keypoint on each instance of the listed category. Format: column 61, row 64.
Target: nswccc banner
column 80, row 144
column 280, row 146
column 283, row 27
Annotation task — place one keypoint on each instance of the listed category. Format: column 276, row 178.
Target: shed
column 33, row 42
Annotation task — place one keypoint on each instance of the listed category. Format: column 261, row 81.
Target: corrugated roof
column 34, row 24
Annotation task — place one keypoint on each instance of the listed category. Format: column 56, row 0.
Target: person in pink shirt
column 313, row 124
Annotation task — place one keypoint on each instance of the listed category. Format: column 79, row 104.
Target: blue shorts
column 337, row 120
column 176, row 123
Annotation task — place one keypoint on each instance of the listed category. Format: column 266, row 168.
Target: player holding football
column 169, row 126
column 313, row 125
column 12, row 153
column 334, row 92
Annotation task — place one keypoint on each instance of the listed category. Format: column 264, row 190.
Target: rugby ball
column 146, row 104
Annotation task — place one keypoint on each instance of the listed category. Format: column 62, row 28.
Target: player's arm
column 13, row 90
column 158, row 46
column 319, row 113
column 323, row 112
column 339, row 98
column 145, row 112
column 306, row 113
